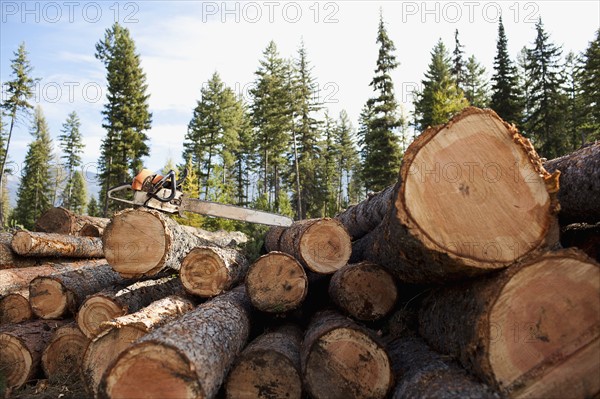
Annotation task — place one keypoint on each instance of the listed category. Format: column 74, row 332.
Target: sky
column 182, row 43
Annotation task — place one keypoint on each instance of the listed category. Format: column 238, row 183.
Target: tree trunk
column 116, row 301
column 365, row 291
column 321, row 245
column 276, row 283
column 142, row 242
column 272, row 238
column 269, row 367
column 531, row 331
column 62, row 358
column 14, row 307
column 189, row 358
column 209, row 271
column 341, row 359
column 579, row 194
column 21, row 347
column 583, row 236
column 472, row 197
column 61, row 294
column 28, row 243
column 122, row 332
column 62, row 221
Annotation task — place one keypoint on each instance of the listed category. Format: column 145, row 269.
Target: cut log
column 276, row 283
column 62, row 221
column 579, row 193
column 14, row 307
column 116, row 301
column 208, row 271
column 142, row 242
column 8, row 258
column 472, row 197
column 269, row 367
column 321, row 245
column 62, row 358
column 531, row 331
column 21, row 347
column 122, row 332
column 220, row 238
column 272, row 238
column 583, row 236
column 341, row 359
column 365, row 291
column 187, row 358
column 423, row 373
column 28, row 243
column 61, row 294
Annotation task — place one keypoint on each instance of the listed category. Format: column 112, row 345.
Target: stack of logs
column 449, row 284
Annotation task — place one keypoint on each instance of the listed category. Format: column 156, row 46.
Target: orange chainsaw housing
column 143, row 177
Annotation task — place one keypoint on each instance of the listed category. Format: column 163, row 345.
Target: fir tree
column 72, row 148
column 330, row 170
column 244, row 156
column 575, row 104
column 191, row 188
column 590, row 84
column 364, row 140
column 93, row 208
column 459, row 67
column 475, row 84
column 347, row 159
column 78, row 199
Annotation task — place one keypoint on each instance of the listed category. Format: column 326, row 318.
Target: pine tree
column 459, row 67
column 244, row 156
column 126, row 114
column 191, row 188
column 72, row 148
column 575, row 104
column 79, row 193
column 475, row 84
column 33, row 197
column 330, row 169
column 364, row 142
column 93, row 208
column 347, row 159
column 4, row 198
column 590, row 84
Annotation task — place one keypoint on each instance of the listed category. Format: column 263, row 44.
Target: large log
column 208, row 271
column 579, row 194
column 186, row 358
column 142, row 242
column 472, row 197
column 341, row 359
column 117, row 301
column 63, row 221
column 62, row 357
column 29, row 243
column 14, row 307
column 269, row 367
column 276, row 283
column 531, row 331
column 122, row 332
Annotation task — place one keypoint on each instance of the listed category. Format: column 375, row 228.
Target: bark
column 365, row 291
column 276, row 283
column 14, row 307
column 221, row 238
column 272, row 238
column 208, row 271
column 62, row 358
column 117, row 301
column 122, row 332
column 63, row 221
column 579, row 194
column 269, row 367
column 530, row 331
column 142, row 242
column 472, row 197
column 28, row 243
column 341, row 359
column 187, row 358
column 583, row 236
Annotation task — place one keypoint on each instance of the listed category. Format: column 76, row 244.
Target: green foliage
column 72, row 148
column 190, row 188
column 459, row 67
column 79, row 193
column 475, row 84
column 589, row 78
column 93, row 208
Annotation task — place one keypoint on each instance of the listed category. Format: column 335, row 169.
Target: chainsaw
column 164, row 193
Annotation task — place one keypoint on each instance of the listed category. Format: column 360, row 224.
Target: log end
column 62, row 357
column 14, row 308
column 203, row 273
column 325, row 246
column 15, row 360
column 48, row 298
column 90, row 230
column 21, row 242
column 54, row 220
column 94, row 311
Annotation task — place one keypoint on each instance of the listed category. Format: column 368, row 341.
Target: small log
column 61, row 294
column 583, row 236
column 63, row 221
column 365, row 291
column 8, row 258
column 113, row 302
column 21, row 347
column 186, row 358
column 142, row 242
column 209, row 271
column 276, row 283
column 62, row 358
column 28, row 243
column 269, row 367
column 14, row 307
column 531, row 331
column 341, row 359
column 120, row 333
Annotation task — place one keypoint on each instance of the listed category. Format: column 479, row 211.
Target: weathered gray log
column 63, row 221
column 29, row 243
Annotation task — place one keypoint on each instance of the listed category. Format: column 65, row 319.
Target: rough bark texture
column 341, row 359
column 461, row 209
column 221, row 238
column 530, row 331
column 14, row 308
column 62, row 358
column 269, row 367
column 29, row 243
column 122, row 332
column 186, row 358
column 61, row 294
column 209, row 271
column 365, row 291
column 63, row 221
column 116, row 301
column 583, row 236
column 272, row 238
column 276, row 283
column 142, row 242
column 579, row 194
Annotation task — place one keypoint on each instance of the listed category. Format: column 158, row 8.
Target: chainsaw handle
column 168, row 177
column 183, row 177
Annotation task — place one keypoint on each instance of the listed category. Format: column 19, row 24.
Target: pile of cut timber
column 450, row 283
